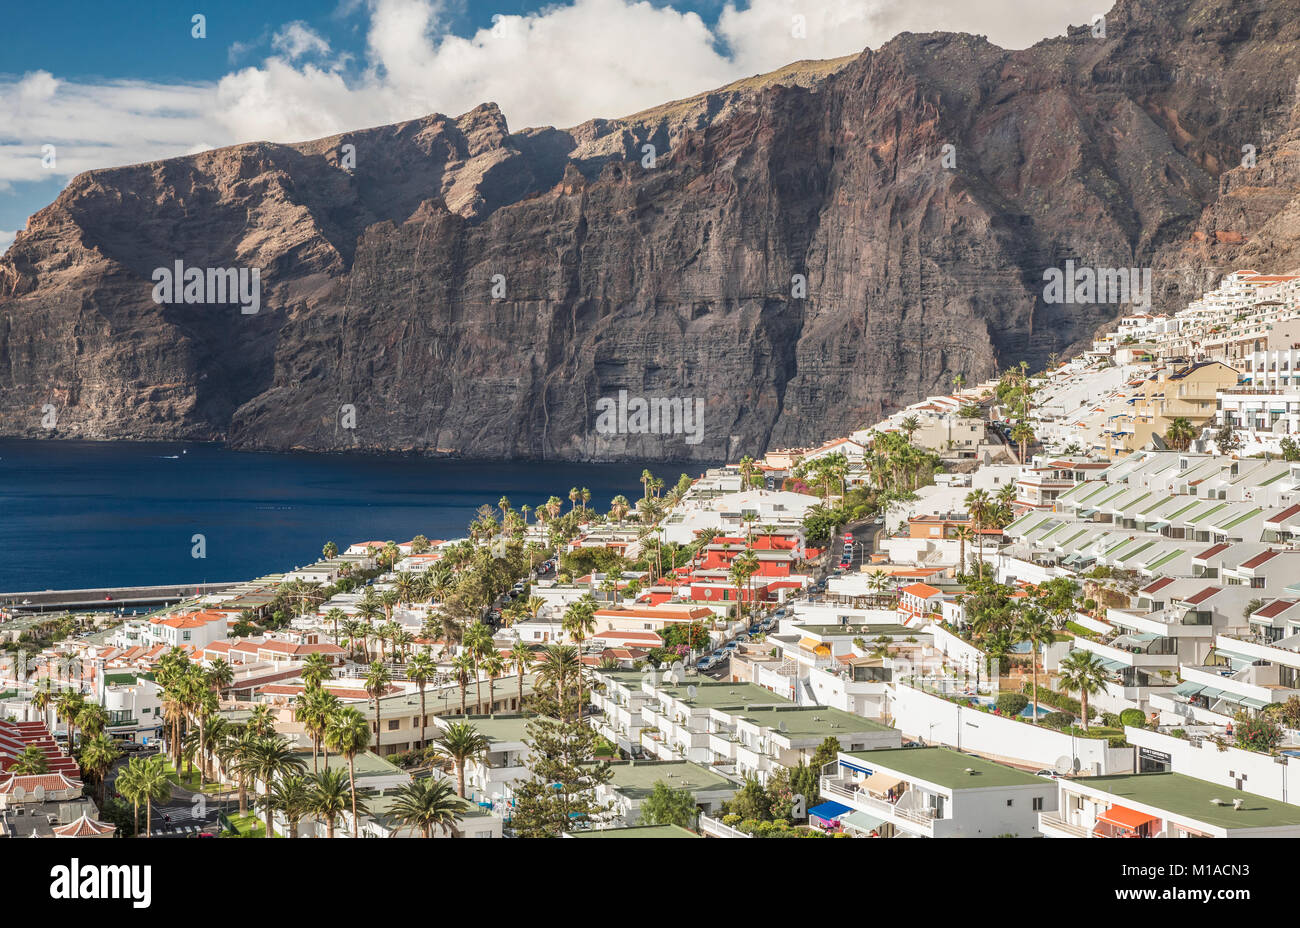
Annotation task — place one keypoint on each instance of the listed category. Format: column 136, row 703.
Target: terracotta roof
column 1275, row 608
column 50, row 782
column 83, row 827
column 1157, row 586
column 1260, row 559
column 1198, row 598
column 1284, row 515
column 920, row 590
column 1211, row 552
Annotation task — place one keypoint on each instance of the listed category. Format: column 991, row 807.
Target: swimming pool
column 1025, row 713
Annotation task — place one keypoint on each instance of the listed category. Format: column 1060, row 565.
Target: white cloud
column 297, row 40
column 6, row 239
column 559, row 66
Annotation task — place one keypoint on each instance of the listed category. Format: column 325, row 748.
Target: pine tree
column 561, row 793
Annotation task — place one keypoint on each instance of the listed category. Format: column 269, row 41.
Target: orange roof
column 921, row 590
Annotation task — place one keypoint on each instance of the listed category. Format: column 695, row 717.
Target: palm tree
column 494, row 666
column 336, row 616
column 43, row 697
column 421, row 670
column 145, row 781
column 963, row 535
column 316, row 669
column 92, row 720
column 126, row 783
column 579, row 623
column 1023, row 433
column 327, row 797
column 30, row 760
column 271, row 758
column 67, row 708
column 290, row 796
column 1082, row 672
column 521, row 658
column 97, row 757
column 377, row 680
column 1180, row 433
column 221, row 675
column 462, row 668
column 1035, row 626
column 427, row 804
column 477, row 642
column 461, row 742
column 348, row 734
column 330, row 551
column 978, row 505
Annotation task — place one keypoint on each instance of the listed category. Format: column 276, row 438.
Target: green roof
column 1166, row 559
column 712, row 695
column 1190, row 798
column 1208, row 512
column 809, row 721
column 1136, row 551
column 636, row 779
column 495, row 728
column 946, row 767
column 637, row 831
column 1240, row 519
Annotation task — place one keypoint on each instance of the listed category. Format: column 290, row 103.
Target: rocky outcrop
column 803, row 254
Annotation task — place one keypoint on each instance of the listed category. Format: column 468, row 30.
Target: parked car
column 730, row 646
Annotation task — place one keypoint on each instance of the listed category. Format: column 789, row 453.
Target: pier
column 108, row 597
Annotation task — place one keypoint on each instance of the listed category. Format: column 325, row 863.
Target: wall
column 938, row 721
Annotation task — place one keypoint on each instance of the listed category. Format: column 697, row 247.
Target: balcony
column 925, row 820
column 1049, row 822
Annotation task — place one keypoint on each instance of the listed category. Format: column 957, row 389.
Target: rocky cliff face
column 382, row 307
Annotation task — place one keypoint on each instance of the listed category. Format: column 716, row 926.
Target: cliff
column 673, row 280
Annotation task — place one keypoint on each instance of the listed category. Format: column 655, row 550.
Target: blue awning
column 856, row 767
column 829, row 811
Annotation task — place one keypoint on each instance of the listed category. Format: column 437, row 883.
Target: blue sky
column 107, row 84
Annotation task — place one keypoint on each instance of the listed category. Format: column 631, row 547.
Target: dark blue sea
column 77, row 515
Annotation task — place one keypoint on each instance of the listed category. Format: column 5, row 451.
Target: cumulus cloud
column 297, row 40
column 560, row 65
column 6, row 239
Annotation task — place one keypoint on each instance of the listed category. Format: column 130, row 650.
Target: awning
column 1156, row 526
column 1125, row 818
column 812, row 644
column 861, row 821
column 1253, row 703
column 855, row 767
column 1188, row 690
column 880, row 783
column 829, row 811
column 1211, row 693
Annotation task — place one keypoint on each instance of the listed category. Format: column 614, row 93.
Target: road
column 35, row 600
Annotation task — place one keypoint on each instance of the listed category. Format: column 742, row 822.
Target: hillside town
column 1054, row 604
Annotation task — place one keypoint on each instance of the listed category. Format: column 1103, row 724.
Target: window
column 1038, row 804
column 1010, row 802
column 392, row 724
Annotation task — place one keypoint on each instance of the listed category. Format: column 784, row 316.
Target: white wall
column 938, row 721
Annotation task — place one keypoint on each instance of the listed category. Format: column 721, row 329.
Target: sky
column 86, row 84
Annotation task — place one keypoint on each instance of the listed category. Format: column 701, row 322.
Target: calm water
column 88, row 514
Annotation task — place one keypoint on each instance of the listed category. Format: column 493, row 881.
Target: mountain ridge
column 670, row 281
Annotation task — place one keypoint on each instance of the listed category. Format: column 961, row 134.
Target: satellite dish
column 780, row 726
column 677, row 667
column 690, row 692
column 671, row 678
column 1063, row 765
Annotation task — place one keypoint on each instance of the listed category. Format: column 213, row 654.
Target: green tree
column 461, row 742
column 1034, row 625
column 327, row 797
column 428, row 804
column 560, row 793
column 1082, row 672
column 668, row 806
column 348, row 734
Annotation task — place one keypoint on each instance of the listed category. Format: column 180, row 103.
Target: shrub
column 1058, row 720
column 1011, row 703
column 1258, row 733
column 1110, row 720
column 1133, row 718
column 1179, row 733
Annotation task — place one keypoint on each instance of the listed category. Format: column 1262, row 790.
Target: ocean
column 76, row 515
